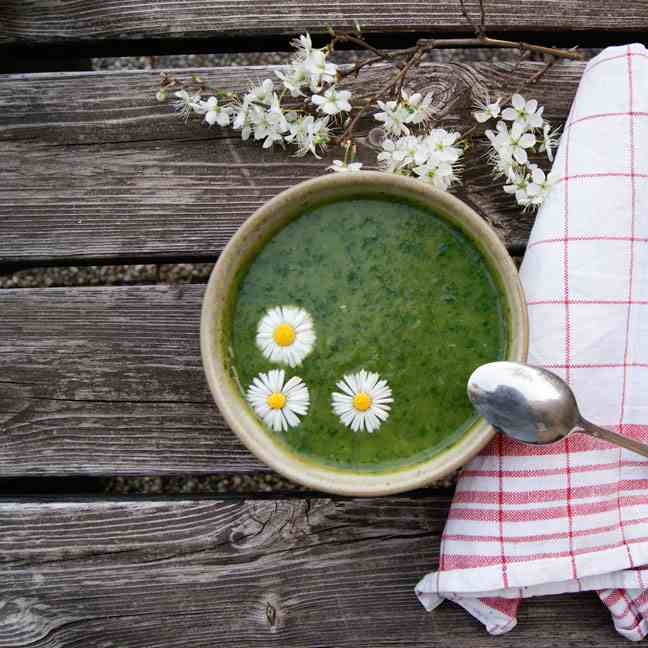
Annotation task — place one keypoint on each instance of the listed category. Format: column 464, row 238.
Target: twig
column 350, row 38
column 487, row 41
column 538, row 75
column 482, row 19
column 477, row 27
column 358, row 66
column 415, row 59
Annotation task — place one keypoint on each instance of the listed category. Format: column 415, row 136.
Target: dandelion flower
column 364, row 402
column 286, row 335
column 279, row 404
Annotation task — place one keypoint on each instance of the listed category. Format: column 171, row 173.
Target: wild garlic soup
column 380, row 302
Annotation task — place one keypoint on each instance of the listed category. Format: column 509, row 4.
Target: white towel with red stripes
column 573, row 516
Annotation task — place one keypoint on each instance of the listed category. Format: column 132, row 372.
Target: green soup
column 393, row 289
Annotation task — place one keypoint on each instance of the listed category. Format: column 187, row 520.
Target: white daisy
column 278, row 405
column 364, row 403
column 286, row 335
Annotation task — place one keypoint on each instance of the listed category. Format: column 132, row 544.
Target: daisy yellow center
column 284, row 335
column 276, row 400
column 362, row 401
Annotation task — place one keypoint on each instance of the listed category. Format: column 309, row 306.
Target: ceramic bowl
column 266, row 221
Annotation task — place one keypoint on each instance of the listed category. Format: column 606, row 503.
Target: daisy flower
column 278, row 404
column 286, row 335
column 364, row 402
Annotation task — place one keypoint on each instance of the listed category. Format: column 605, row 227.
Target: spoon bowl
column 527, row 403
column 533, row 405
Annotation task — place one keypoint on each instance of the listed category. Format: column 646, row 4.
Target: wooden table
column 107, row 381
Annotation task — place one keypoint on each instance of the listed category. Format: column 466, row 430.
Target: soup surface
column 393, row 289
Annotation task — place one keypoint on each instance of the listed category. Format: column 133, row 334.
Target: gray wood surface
column 108, row 381
column 60, row 21
column 92, row 167
column 317, row 573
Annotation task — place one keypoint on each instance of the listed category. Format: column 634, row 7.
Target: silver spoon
column 534, row 405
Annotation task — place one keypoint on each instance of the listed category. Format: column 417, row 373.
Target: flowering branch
column 306, row 109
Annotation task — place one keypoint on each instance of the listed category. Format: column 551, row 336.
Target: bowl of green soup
column 340, row 326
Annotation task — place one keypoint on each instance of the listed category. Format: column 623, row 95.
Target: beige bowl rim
column 268, row 219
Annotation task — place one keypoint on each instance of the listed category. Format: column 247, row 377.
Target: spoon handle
column 613, row 437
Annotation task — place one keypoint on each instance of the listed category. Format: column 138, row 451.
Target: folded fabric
column 573, row 515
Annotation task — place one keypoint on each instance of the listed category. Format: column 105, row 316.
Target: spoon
column 534, row 405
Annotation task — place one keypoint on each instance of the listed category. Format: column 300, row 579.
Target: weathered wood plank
column 291, row 573
column 64, row 21
column 108, row 381
column 92, row 167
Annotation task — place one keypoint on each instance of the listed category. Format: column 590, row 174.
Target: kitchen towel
column 573, row 515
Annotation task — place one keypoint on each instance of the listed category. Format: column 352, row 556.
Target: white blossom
column 393, row 116
column 439, row 146
column 214, row 113
column 297, row 78
column 393, row 156
column 303, row 45
column 439, row 174
column 518, row 182
column 333, row 101
column 320, row 71
column 419, row 106
column 512, row 142
column 186, row 103
column 486, row 111
column 262, row 93
column 309, row 133
column 540, row 185
column 549, row 140
column 524, row 113
column 341, row 166
column 269, row 125
column 246, row 115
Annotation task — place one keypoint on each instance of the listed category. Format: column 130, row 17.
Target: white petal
column 527, row 140
column 291, row 418
column 509, row 114
column 520, row 155
column 518, row 101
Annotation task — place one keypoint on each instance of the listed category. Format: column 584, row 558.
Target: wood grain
column 66, row 21
column 290, row 573
column 93, row 168
column 108, row 381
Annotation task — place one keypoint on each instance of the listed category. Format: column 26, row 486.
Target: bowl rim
column 228, row 397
